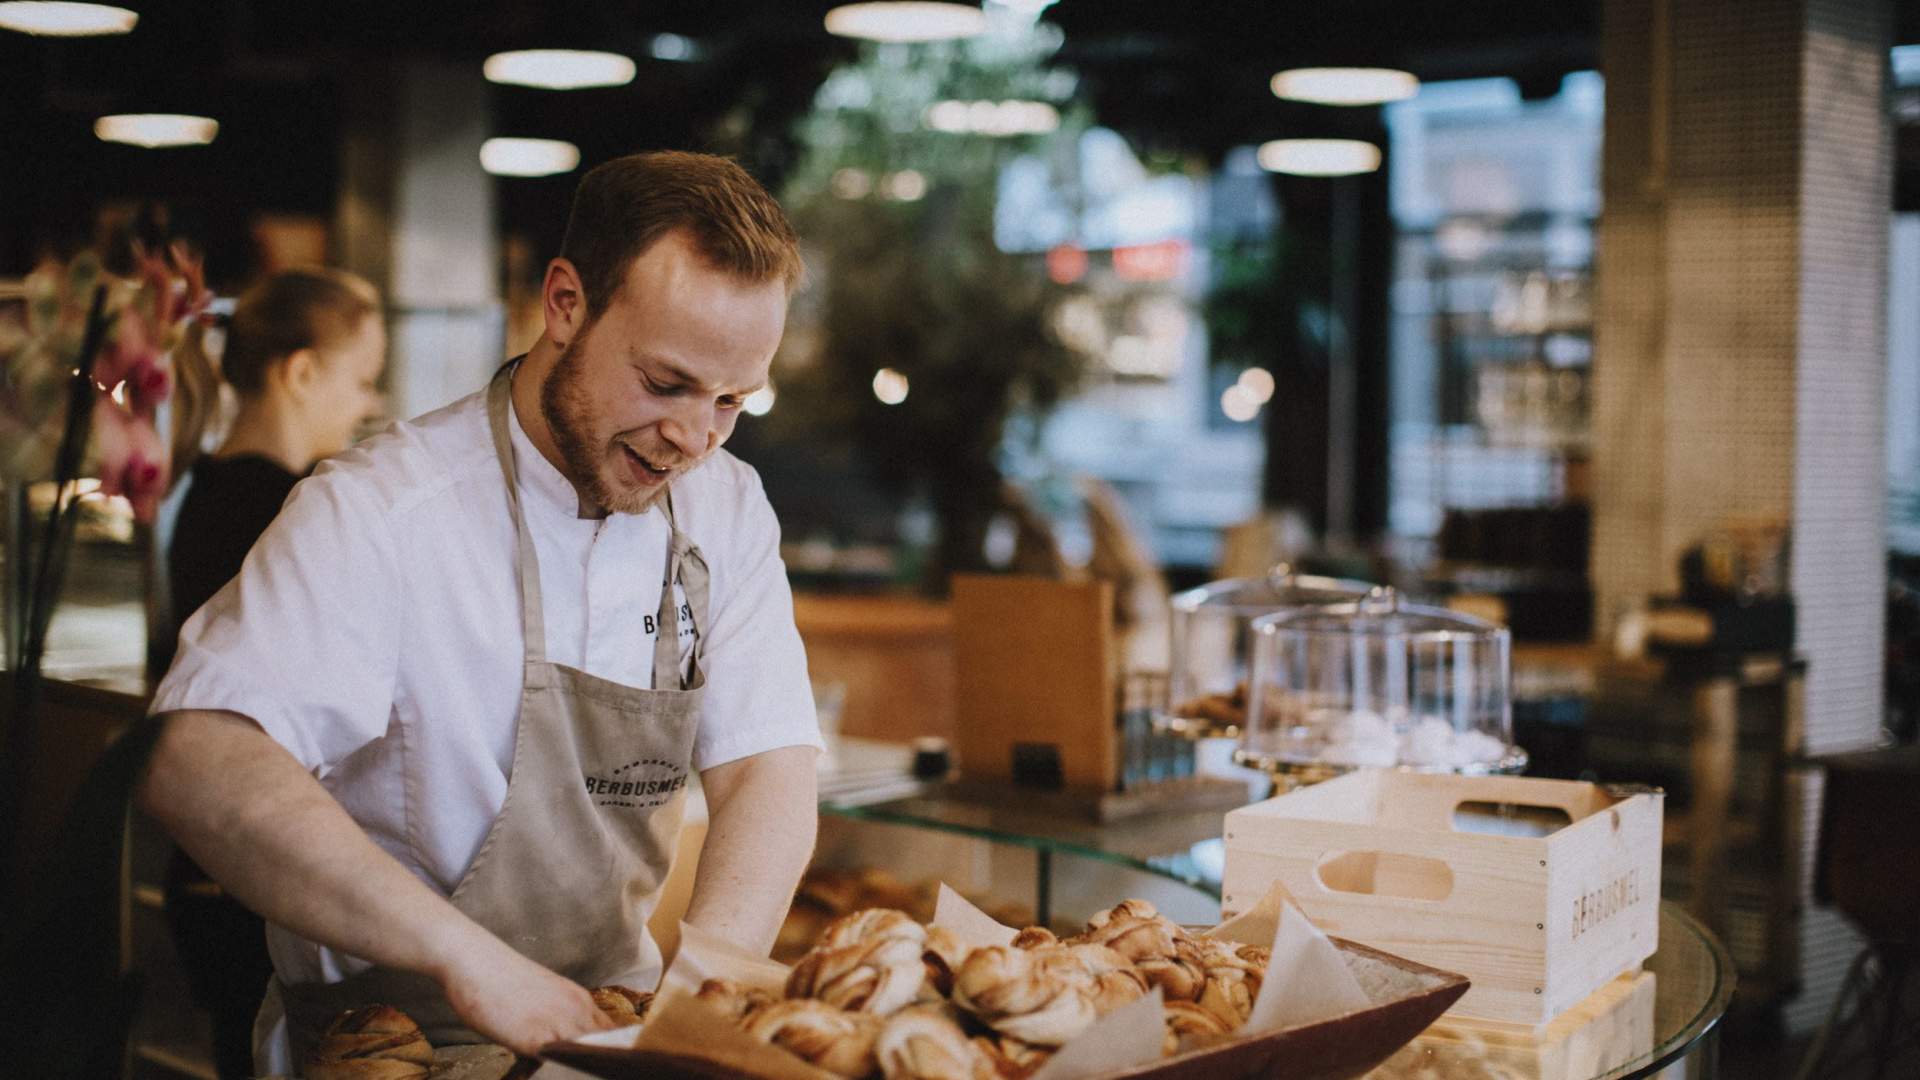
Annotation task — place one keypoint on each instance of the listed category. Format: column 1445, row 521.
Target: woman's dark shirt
column 222, row 945
column 229, row 503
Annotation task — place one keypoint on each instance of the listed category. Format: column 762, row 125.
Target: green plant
column 898, row 220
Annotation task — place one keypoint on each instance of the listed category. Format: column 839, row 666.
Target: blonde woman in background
column 304, row 351
column 303, row 355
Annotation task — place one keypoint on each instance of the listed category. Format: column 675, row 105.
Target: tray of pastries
column 882, row 995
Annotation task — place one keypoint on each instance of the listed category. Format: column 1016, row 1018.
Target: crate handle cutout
column 1385, row 873
column 1509, row 818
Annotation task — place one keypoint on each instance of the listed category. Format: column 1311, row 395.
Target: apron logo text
column 652, row 625
column 634, row 789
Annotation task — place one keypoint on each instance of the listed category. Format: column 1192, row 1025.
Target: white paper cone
column 1307, row 979
column 975, row 928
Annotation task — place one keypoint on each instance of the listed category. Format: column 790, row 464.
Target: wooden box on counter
column 1612, row 1027
column 1553, row 893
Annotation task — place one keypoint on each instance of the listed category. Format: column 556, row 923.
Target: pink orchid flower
column 130, row 458
column 148, row 384
column 132, row 344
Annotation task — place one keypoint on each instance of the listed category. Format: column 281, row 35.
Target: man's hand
column 516, row 1002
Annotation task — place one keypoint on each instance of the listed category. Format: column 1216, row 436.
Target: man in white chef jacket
column 346, row 719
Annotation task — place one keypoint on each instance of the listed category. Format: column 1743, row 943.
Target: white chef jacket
column 374, row 631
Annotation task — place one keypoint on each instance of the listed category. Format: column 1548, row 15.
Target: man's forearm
column 254, row 819
column 763, row 814
column 265, row 829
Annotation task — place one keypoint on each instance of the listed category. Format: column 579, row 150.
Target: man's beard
column 567, row 404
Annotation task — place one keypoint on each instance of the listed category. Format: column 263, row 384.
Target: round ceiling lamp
column 528, row 157
column 906, row 21
column 1345, row 86
column 66, row 20
column 1318, row 157
column 559, row 69
column 153, row 130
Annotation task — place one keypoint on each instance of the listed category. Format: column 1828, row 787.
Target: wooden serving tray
column 1336, row 1049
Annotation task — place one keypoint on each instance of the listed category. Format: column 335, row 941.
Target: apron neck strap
column 685, row 564
column 499, row 406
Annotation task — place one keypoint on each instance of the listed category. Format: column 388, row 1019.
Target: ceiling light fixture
column 1318, row 157
column 559, row 69
column 992, row 118
column 66, row 20
column 153, row 130
column 906, row 21
column 528, row 157
column 1345, row 86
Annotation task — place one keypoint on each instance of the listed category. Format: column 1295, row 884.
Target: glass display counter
column 1693, row 974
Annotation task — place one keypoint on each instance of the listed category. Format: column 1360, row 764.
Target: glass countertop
column 1184, row 846
column 1694, row 976
column 1692, row 982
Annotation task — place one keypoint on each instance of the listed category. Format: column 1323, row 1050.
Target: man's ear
column 564, row 302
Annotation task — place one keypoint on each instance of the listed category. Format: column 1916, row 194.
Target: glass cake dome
column 1212, row 639
column 1379, row 683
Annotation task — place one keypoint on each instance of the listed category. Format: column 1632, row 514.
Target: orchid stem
column 51, row 568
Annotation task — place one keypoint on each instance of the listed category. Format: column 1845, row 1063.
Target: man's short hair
column 624, row 205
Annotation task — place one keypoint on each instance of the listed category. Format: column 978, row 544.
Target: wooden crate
column 1612, row 1027
column 1561, row 900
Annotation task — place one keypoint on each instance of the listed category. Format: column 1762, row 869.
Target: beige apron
column 573, row 865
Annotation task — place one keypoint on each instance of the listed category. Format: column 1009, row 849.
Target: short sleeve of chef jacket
column 305, row 640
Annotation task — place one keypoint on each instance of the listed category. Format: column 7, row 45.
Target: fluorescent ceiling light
column 1345, row 86
column 559, row 69
column 156, row 129
column 66, row 20
column 906, row 20
column 1319, row 157
column 992, row 118
column 528, row 157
